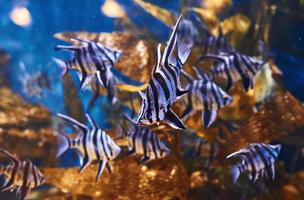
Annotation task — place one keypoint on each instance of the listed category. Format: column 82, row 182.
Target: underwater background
column 272, row 30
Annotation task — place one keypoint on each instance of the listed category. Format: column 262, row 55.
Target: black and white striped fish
column 206, row 150
column 143, row 141
column 92, row 144
column 164, row 86
column 204, row 95
column 234, row 67
column 215, row 45
column 258, row 159
column 20, row 175
column 90, row 59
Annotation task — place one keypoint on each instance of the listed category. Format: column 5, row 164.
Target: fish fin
column 7, row 185
column 235, row 173
column 102, row 79
column 91, row 121
column 63, row 144
column 189, row 111
column 109, row 167
column 158, row 56
column 208, row 117
column 180, row 93
column 11, row 156
column 127, row 117
column 202, row 75
column 101, row 167
column 22, row 192
column 273, row 172
column 187, row 76
column 170, row 44
column 84, row 81
column 183, row 51
column 74, row 122
column 63, row 66
column 143, row 159
column 67, row 48
column 173, row 120
column 142, row 94
column 85, row 162
column 131, row 151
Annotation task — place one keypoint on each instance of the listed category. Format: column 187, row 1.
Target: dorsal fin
column 170, row 44
column 187, row 76
column 91, row 121
column 11, row 156
column 202, row 75
column 158, row 55
column 127, row 117
column 76, row 123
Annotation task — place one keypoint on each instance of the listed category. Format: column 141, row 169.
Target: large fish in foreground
column 92, row 144
column 234, row 67
column 204, row 95
column 164, row 86
column 20, row 175
column 258, row 159
column 143, row 141
column 90, row 59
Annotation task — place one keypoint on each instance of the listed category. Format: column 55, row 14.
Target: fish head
column 146, row 116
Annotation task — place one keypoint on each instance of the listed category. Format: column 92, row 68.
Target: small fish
column 143, row 141
column 234, row 67
column 204, row 95
column 258, row 159
column 91, row 144
column 33, row 84
column 20, row 175
column 206, row 150
column 90, row 59
column 216, row 45
column 163, row 89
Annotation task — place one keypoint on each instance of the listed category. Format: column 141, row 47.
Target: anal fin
column 173, row 120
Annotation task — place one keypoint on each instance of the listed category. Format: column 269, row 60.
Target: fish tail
column 62, row 65
column 64, row 143
column 184, row 41
column 235, row 172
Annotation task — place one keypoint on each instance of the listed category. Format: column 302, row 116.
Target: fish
column 216, row 45
column 258, row 159
column 204, row 95
column 90, row 59
column 33, row 84
column 20, row 175
column 164, row 86
column 92, row 144
column 206, row 150
column 234, row 67
column 142, row 140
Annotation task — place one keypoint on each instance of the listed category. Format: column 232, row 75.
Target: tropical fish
column 91, row 144
column 33, row 84
column 206, row 150
column 204, row 95
column 258, row 159
column 20, row 175
column 143, row 141
column 163, row 89
column 235, row 66
column 215, row 45
column 90, row 59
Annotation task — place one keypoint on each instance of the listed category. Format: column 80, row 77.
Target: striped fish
column 143, row 141
column 204, row 95
column 163, row 88
column 215, row 45
column 92, row 144
column 90, row 59
column 20, row 175
column 258, row 159
column 206, row 150
column 234, row 67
